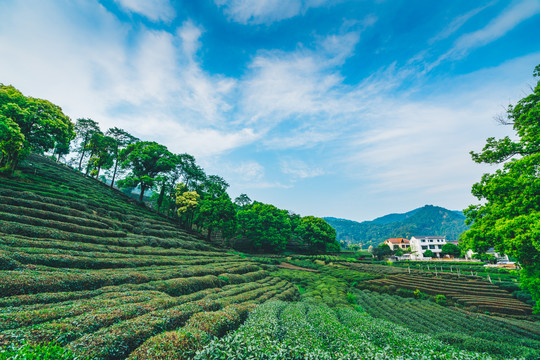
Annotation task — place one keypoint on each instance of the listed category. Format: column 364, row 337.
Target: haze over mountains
column 427, row 220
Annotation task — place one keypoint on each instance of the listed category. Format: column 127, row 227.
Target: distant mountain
column 427, row 220
column 390, row 218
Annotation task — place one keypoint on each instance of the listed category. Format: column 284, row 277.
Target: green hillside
column 427, row 220
column 88, row 273
column 86, row 267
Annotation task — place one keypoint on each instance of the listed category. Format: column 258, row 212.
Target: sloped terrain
column 86, row 267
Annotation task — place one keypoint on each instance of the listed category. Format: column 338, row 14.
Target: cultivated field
column 94, row 274
column 85, row 267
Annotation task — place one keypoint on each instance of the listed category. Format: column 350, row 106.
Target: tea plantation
column 88, row 273
column 85, row 267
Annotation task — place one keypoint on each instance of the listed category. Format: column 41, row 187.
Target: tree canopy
column 122, row 140
column 451, row 249
column 318, row 235
column 34, row 125
column 265, row 226
column 85, row 129
column 102, row 153
column 183, row 188
column 509, row 217
column 146, row 160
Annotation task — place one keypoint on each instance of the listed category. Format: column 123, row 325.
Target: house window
column 430, row 240
column 432, row 246
column 424, row 247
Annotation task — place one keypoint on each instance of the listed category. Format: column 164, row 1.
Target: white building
column 500, row 258
column 420, row 244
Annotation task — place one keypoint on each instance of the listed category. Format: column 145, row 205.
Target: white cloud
column 155, row 10
column 303, row 86
column 496, row 28
column 421, row 146
column 147, row 81
column 250, row 170
column 299, row 169
column 266, row 11
column 190, row 34
column 457, row 23
column 499, row 26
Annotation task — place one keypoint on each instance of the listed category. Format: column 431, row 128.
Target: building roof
column 429, row 237
column 397, row 240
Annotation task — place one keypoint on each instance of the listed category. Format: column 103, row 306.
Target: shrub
column 37, row 352
column 440, row 299
column 7, row 263
column 181, row 345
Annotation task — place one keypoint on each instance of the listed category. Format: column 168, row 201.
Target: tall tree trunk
column 88, row 166
column 161, row 194
column 82, row 155
column 142, row 192
column 114, row 173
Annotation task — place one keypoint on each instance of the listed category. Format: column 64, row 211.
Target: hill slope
column 84, row 266
column 427, row 220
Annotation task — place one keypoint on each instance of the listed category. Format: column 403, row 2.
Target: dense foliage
column 29, row 124
column 317, row 234
column 265, row 226
column 146, row 160
column 429, row 219
column 178, row 187
column 509, row 217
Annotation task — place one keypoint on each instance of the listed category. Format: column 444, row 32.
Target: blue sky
column 351, row 109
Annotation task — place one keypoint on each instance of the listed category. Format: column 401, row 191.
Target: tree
column 187, row 203
column 43, row 126
column 382, row 251
column 60, row 150
column 102, row 153
column 217, row 213
column 191, row 173
column 509, row 217
column 216, row 210
column 265, row 226
column 11, row 143
column 185, row 170
column 214, row 186
column 146, row 160
column 317, row 234
column 451, row 249
column 429, row 254
column 85, row 129
column 242, row 200
column 122, row 140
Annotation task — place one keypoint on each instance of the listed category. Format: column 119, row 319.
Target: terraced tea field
column 470, row 331
column 470, row 293
column 86, row 267
column 301, row 330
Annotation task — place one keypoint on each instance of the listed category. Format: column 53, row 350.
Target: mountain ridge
column 426, row 220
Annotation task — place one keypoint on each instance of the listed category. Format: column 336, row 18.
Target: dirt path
column 284, row 265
